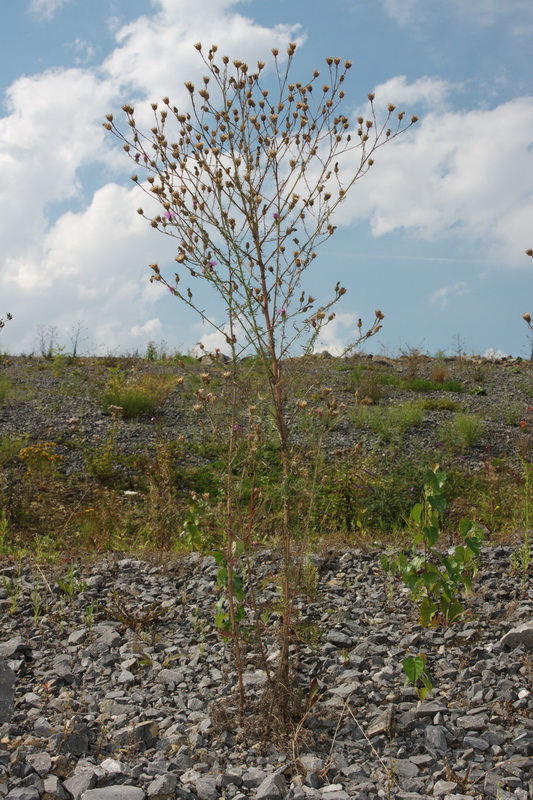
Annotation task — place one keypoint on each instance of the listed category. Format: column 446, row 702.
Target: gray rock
column 381, row 724
column 114, row 793
column 273, row 787
column 206, row 788
column 162, row 787
column 253, row 777
column 521, row 635
column 442, row 788
column 23, row 793
column 80, row 783
column 53, row 789
column 339, row 639
column 7, row 691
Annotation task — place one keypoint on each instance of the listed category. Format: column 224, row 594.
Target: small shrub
column 466, row 431
column 441, row 404
column 388, row 422
column 138, row 395
column 439, row 373
column 437, row 580
column 10, row 447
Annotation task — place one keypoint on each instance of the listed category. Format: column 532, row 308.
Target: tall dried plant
column 248, row 177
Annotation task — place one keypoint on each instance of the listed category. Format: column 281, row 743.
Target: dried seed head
column 527, row 318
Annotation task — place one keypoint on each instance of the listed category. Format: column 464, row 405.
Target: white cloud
column 152, row 327
column 494, row 353
column 337, row 335
column 156, row 54
column 466, row 174
column 84, row 52
column 47, row 8
column 425, row 92
column 442, row 295
column 482, row 13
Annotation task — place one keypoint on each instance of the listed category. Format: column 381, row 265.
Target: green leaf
column 416, row 512
column 432, row 534
column 428, row 611
column 222, row 577
column 438, row 502
column 413, row 667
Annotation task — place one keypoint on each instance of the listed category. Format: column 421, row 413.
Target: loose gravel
column 118, row 672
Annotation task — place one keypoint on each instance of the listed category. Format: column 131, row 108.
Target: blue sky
column 434, row 236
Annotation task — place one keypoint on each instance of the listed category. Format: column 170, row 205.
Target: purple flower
column 212, row 263
column 276, row 216
column 169, row 215
column 282, row 312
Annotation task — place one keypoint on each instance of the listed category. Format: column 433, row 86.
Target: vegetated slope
column 64, row 452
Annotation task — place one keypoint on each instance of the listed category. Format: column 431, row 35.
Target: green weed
column 465, row 431
column 417, row 674
column 136, row 395
column 436, row 579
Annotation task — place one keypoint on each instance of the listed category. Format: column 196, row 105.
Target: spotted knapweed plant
column 248, row 176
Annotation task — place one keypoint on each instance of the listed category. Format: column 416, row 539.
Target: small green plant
column 70, row 586
column 89, row 616
column 13, row 587
column 155, row 352
column 136, row 395
column 441, row 404
column 521, row 558
column 417, row 674
column 41, row 458
column 5, row 386
column 4, row 548
column 436, row 579
column 465, row 431
column 10, row 447
column 36, row 603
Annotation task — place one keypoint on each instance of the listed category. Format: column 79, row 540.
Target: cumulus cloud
column 442, row 296
column 467, row 174
column 155, row 54
column 337, row 335
column 47, row 8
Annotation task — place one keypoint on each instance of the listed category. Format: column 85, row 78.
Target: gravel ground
column 63, row 403
column 116, row 688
